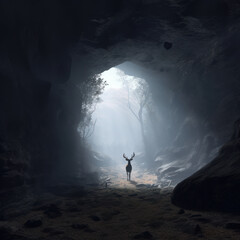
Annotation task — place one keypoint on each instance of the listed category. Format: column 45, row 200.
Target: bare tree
column 138, row 91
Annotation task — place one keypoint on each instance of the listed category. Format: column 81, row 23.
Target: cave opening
column 116, row 128
column 171, row 141
column 140, row 110
column 120, row 123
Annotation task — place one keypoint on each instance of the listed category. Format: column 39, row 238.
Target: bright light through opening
column 112, row 78
column 117, row 130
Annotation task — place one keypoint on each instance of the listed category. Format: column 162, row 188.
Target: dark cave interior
column 52, row 58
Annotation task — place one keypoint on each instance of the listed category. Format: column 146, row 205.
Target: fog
column 117, row 130
column 139, row 112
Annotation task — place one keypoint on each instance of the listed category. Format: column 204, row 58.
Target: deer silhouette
column 129, row 166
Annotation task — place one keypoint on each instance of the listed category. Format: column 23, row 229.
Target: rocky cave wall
column 188, row 47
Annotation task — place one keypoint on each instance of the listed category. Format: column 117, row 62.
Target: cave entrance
column 117, row 130
column 121, row 122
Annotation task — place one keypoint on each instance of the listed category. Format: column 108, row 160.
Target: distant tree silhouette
column 90, row 92
column 141, row 94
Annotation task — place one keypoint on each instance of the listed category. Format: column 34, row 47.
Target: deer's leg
column 129, row 176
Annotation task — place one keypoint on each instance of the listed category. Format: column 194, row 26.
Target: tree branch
column 130, row 108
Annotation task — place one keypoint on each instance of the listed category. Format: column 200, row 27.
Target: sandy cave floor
column 122, row 210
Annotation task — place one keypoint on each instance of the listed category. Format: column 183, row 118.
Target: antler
column 124, row 156
column 133, row 155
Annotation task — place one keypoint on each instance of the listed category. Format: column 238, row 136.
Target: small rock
column 106, row 216
column 8, row 232
column 103, row 235
column 197, row 230
column 79, row 226
column 53, row 211
column 189, row 227
column 57, row 232
column 89, row 230
column 3, row 147
column 115, row 212
column 109, row 214
column 233, row 225
column 117, row 195
column 48, row 230
column 74, row 209
column 95, row 218
column 32, row 223
column 4, row 233
column 155, row 224
column 53, row 231
column 181, row 211
column 167, row 45
column 203, row 220
column 132, row 195
column 195, row 215
column 84, row 227
column 181, row 220
column 144, row 235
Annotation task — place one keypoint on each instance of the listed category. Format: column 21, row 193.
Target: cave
column 174, row 112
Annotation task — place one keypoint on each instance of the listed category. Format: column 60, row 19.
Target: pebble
column 34, row 222
column 233, row 225
column 144, row 235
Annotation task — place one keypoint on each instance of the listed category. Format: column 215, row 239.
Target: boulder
column 233, row 225
column 215, row 187
column 143, row 235
column 53, row 211
column 33, row 222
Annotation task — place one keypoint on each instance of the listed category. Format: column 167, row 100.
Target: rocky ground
column 116, row 210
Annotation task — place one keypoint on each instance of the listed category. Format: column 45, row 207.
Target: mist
column 168, row 139
column 117, row 131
